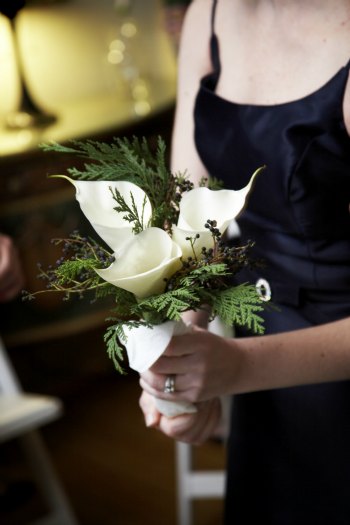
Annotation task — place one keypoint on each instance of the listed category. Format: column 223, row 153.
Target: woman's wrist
column 306, row 356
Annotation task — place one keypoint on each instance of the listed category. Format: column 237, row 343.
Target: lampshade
column 93, row 65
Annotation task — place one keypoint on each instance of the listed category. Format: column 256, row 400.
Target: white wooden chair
column 21, row 414
column 199, row 484
column 193, row 485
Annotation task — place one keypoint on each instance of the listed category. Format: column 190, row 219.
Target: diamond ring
column 169, row 385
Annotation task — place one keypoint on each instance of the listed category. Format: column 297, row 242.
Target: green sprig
column 74, row 273
column 115, row 338
column 204, row 279
column 135, row 162
column 239, row 305
column 170, row 305
column 132, row 214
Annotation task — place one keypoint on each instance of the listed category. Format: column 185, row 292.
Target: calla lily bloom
column 142, row 264
column 201, row 204
column 97, row 203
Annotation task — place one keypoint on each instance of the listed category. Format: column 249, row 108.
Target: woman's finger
column 150, row 412
column 155, row 383
column 171, row 365
column 11, row 275
column 182, row 345
column 194, row 428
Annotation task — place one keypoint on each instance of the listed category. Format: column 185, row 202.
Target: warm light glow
column 24, row 136
column 8, row 75
column 115, row 56
column 142, row 108
column 17, row 140
column 140, row 90
column 117, row 45
column 128, row 29
column 82, row 64
column 19, row 120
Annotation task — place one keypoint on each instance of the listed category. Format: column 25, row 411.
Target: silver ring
column 169, row 385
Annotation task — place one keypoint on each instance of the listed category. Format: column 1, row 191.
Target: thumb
column 150, row 412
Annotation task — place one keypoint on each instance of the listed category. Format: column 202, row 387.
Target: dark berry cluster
column 214, row 230
column 185, row 185
column 78, row 247
column 234, row 258
column 73, row 272
column 182, row 186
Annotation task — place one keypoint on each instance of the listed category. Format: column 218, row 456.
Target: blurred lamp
column 80, row 68
column 28, row 113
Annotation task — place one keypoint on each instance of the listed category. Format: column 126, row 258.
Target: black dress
column 289, row 449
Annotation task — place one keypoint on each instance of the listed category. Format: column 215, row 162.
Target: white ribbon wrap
column 144, row 346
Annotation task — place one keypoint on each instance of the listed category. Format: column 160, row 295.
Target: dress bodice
column 298, row 211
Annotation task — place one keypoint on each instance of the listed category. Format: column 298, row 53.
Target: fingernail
column 150, row 420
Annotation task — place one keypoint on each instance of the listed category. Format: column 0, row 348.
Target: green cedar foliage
column 202, row 280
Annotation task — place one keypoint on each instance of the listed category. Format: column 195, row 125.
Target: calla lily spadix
column 201, row 204
column 142, row 264
column 97, row 203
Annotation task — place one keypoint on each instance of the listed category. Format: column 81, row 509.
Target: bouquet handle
column 144, row 346
column 176, row 408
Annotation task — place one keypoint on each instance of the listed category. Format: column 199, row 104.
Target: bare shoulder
column 194, row 62
column 194, row 48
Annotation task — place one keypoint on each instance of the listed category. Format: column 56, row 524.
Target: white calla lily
column 201, row 204
column 97, row 203
column 143, row 263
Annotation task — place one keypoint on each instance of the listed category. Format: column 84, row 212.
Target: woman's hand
column 193, row 428
column 11, row 276
column 204, row 366
column 207, row 366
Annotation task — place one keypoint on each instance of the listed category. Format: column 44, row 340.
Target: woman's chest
column 303, row 144
column 269, row 58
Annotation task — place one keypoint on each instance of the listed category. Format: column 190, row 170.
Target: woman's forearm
column 311, row 355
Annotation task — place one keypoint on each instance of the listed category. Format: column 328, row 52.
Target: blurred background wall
column 75, row 69
column 71, row 69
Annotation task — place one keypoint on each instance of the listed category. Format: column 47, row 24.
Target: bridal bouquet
column 161, row 250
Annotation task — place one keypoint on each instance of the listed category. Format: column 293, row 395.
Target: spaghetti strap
column 213, row 12
column 214, row 43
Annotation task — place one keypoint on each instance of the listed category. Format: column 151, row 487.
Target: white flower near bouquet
column 142, row 264
column 167, row 250
column 98, row 205
column 200, row 203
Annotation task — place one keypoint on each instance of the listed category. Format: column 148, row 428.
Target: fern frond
column 112, row 337
column 55, row 146
column 71, row 270
column 115, row 338
column 170, row 304
column 132, row 213
column 104, row 291
column 240, row 305
column 124, row 303
column 204, row 273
